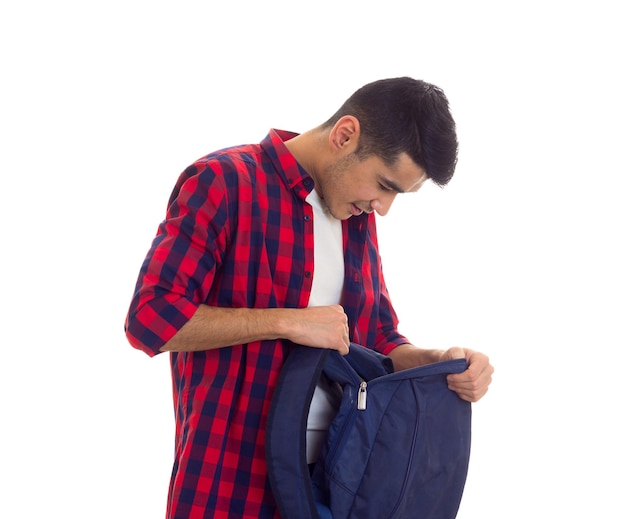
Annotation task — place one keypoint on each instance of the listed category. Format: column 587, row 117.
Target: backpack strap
column 285, row 433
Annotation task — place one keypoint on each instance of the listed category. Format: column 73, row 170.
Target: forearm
column 408, row 356
column 212, row 327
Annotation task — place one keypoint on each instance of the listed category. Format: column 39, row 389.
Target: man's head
column 404, row 115
column 389, row 137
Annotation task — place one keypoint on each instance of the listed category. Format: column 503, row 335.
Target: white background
column 104, row 103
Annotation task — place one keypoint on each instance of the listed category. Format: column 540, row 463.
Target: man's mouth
column 356, row 211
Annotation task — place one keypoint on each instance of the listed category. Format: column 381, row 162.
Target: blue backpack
column 398, row 447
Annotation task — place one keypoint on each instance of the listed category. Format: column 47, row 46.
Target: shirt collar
column 285, row 163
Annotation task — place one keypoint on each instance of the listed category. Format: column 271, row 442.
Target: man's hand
column 320, row 327
column 472, row 384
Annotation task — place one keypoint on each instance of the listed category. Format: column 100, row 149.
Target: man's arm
column 212, row 327
column 471, row 385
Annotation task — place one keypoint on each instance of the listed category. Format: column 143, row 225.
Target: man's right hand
column 320, row 327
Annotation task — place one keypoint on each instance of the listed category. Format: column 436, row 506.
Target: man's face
column 351, row 186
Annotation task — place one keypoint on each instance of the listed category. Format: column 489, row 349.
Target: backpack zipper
column 362, row 396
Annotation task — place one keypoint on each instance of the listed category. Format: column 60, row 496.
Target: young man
column 269, row 245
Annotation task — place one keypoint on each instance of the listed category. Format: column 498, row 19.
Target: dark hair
column 405, row 115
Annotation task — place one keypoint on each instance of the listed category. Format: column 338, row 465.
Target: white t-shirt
column 326, row 290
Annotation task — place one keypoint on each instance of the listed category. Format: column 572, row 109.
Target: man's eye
column 384, row 187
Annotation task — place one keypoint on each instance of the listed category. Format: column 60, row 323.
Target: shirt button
column 307, row 274
column 306, row 217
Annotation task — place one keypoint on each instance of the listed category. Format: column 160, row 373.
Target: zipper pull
column 362, row 396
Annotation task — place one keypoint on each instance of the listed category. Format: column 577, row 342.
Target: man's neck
column 309, row 150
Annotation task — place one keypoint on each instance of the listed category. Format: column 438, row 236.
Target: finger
column 455, row 353
column 471, row 396
column 468, row 387
column 345, row 346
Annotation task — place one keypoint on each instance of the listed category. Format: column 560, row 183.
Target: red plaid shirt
column 238, row 233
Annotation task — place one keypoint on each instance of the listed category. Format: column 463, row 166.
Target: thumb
column 453, row 353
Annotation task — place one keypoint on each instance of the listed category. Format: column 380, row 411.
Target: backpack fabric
column 398, row 447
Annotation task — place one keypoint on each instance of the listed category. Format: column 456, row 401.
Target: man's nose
column 382, row 204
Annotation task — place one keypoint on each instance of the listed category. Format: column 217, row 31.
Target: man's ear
column 344, row 135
